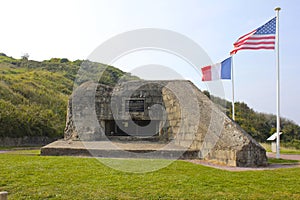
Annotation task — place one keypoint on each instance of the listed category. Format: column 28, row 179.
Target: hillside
column 33, row 99
column 33, row 95
column 260, row 125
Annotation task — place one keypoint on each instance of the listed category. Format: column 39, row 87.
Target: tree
column 25, row 56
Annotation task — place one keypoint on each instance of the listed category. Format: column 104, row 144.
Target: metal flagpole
column 232, row 87
column 278, row 85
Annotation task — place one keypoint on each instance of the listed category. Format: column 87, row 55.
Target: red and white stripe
column 254, row 42
column 211, row 72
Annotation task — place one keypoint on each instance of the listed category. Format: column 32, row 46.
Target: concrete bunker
column 161, row 112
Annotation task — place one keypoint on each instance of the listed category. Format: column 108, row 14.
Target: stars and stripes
column 261, row 38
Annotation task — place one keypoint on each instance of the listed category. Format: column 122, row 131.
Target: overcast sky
column 73, row 29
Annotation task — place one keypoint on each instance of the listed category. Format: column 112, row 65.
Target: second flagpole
column 232, row 87
column 277, row 86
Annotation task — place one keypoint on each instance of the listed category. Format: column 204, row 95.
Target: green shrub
column 293, row 144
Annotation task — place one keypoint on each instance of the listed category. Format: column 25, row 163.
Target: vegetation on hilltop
column 34, row 95
column 260, row 125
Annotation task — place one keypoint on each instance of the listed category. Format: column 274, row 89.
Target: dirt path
column 269, row 167
column 228, row 168
column 284, row 156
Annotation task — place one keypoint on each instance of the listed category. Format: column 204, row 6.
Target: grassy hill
column 33, row 99
column 33, row 95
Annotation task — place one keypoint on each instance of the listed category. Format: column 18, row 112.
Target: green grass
column 289, row 151
column 42, row 177
column 16, row 151
column 34, row 95
column 281, row 161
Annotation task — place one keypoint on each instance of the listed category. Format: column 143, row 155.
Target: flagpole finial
column 277, row 9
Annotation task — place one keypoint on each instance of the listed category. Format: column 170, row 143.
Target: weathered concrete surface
column 117, row 149
column 187, row 118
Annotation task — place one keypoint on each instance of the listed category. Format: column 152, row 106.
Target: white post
column 232, row 87
column 278, row 85
column 3, row 195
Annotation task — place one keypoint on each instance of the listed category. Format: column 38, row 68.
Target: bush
column 64, row 60
column 293, row 144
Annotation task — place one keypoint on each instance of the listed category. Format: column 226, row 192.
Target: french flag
column 217, row 71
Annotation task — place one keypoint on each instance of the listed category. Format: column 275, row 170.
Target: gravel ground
column 228, row 168
column 269, row 167
column 284, row 156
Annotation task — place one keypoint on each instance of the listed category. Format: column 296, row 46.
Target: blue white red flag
column 217, row 71
column 261, row 38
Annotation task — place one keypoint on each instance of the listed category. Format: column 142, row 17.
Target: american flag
column 261, row 38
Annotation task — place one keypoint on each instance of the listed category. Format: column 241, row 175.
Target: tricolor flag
column 217, row 71
column 261, row 38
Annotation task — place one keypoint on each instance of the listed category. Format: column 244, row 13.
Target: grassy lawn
column 282, row 161
column 25, row 175
column 289, row 151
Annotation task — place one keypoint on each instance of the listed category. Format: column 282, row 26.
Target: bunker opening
column 137, row 128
